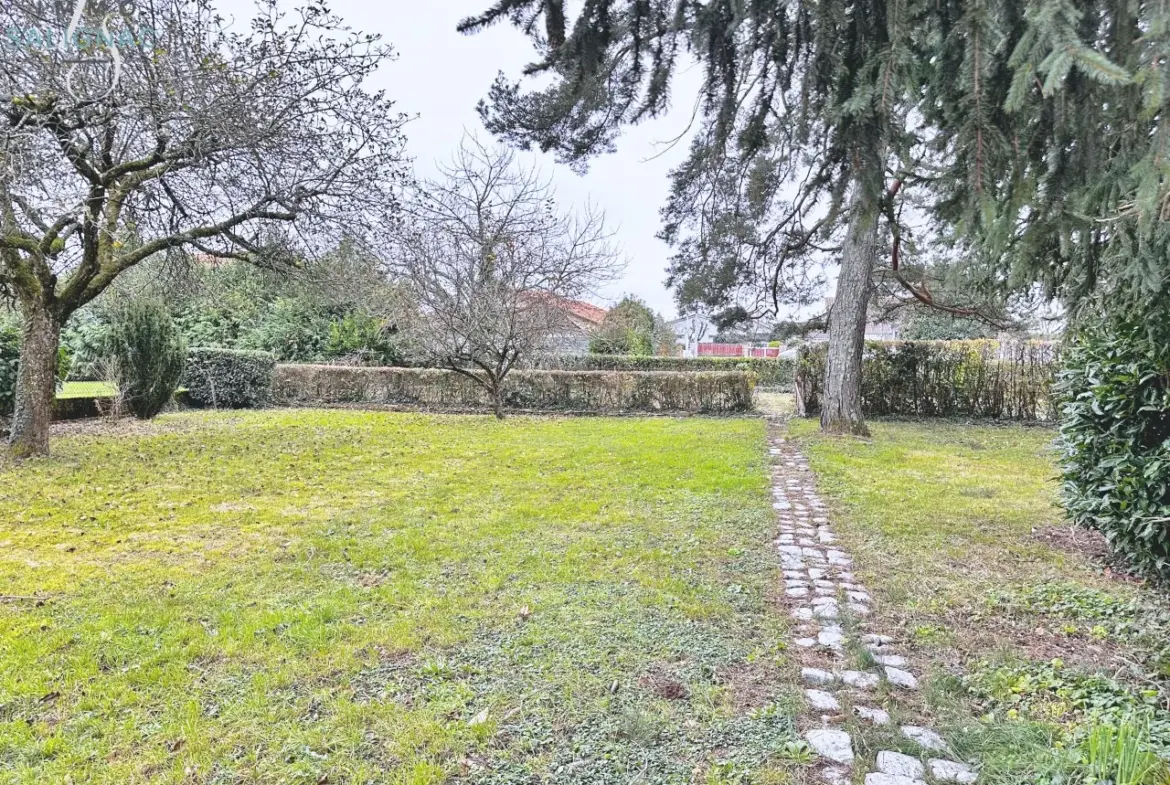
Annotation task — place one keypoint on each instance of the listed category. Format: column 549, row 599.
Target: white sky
column 440, row 75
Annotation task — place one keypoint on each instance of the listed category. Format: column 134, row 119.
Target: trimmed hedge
column 1115, row 437
column 1009, row 380
column 770, row 372
column 228, row 378
column 587, row 391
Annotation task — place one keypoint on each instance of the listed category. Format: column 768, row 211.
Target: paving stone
column 823, row 592
column 860, row 680
column 796, row 583
column 876, row 716
column 878, row 639
column 889, row 779
column 821, row 700
column 805, row 643
column 820, row 583
column 785, row 539
column 900, row 765
column 791, row 550
column 796, row 575
column 797, row 592
column 950, row 771
column 858, row 609
column 815, row 573
column 827, row 612
column 901, row 678
column 781, row 506
column 803, row 614
column 845, row 576
column 817, row 676
column 832, row 744
column 831, row 638
column 893, row 660
column 858, row 596
column 924, row 737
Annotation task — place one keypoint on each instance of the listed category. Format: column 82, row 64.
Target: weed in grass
column 1053, row 693
column 1134, row 621
column 1121, row 755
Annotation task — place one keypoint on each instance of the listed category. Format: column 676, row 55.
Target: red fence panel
column 737, row 350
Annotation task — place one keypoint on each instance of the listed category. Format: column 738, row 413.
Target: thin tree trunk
column 36, row 382
column 498, row 398
column 841, row 403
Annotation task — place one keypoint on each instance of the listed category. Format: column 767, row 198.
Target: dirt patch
column 751, row 685
column 1090, row 544
column 1073, row 539
column 660, row 680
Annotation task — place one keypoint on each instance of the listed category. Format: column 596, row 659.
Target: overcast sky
column 440, row 75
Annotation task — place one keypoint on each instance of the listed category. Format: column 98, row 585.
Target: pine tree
column 1033, row 135
column 812, row 121
column 1067, row 155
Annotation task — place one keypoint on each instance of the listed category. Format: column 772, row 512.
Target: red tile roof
column 583, row 310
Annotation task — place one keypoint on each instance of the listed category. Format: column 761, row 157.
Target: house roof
column 584, row 315
column 589, row 312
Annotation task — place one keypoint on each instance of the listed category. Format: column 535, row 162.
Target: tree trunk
column 841, row 402
column 498, row 398
column 36, row 382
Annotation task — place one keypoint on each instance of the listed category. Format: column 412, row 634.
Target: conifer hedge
column 228, row 378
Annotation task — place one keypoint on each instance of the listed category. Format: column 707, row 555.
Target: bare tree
column 150, row 126
column 490, row 262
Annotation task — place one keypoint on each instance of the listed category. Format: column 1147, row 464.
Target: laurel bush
column 1115, row 438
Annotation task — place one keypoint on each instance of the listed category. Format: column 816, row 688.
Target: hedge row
column 227, row 378
column 591, row 391
column 770, row 372
column 1009, row 380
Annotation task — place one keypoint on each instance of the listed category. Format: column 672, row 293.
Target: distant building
column 874, row 330
column 691, row 330
column 581, row 320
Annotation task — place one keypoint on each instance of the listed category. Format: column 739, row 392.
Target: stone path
column 832, row 609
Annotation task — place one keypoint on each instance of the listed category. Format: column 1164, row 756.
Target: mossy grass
column 351, row 597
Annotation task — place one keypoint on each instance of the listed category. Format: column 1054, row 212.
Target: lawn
column 86, row 390
column 353, row 597
column 1031, row 638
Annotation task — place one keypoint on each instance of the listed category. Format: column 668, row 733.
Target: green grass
column 946, row 510
column 87, row 390
column 353, row 597
column 1031, row 645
